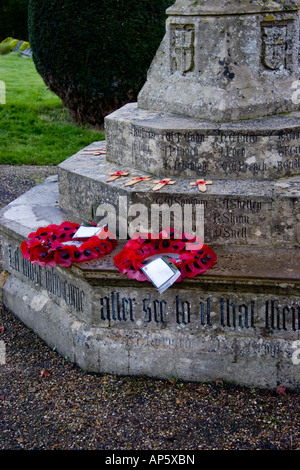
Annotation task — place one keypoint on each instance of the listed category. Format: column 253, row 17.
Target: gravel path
column 47, row 403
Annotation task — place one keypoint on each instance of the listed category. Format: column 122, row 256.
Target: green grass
column 35, row 129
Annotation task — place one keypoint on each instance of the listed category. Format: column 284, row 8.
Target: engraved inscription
column 116, row 308
column 155, row 319
column 195, row 154
column 233, row 316
column 289, row 152
column 227, row 218
column 282, row 317
column 46, row 278
column 272, row 314
column 154, row 310
column 204, row 313
column 191, row 151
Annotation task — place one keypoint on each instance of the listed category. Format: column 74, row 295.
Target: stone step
column 231, row 212
column 179, row 146
column 239, row 321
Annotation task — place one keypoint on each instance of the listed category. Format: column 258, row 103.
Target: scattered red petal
column 45, row 373
column 281, row 390
column 219, row 382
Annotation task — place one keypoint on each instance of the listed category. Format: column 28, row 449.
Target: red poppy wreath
column 53, row 245
column 191, row 262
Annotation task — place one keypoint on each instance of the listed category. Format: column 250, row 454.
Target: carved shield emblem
column 182, row 48
column 274, row 46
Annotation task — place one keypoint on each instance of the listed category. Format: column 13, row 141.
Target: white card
column 87, row 232
column 160, row 273
column 75, row 243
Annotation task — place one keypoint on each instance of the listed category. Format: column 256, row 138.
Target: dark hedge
column 13, row 19
column 95, row 54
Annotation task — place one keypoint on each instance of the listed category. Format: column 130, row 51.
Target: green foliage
column 8, row 45
column 95, row 54
column 14, row 19
column 14, row 43
column 25, row 45
column 5, row 48
column 35, row 128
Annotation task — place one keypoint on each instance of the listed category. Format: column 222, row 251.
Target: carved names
column 226, row 218
column 218, row 153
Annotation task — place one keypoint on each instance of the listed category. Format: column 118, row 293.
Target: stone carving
column 274, row 52
column 221, row 102
column 182, row 48
column 225, row 61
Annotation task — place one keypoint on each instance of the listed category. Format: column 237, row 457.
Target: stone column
column 225, row 61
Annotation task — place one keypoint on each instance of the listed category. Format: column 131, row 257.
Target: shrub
column 5, row 48
column 7, row 40
column 95, row 54
column 14, row 19
column 8, row 45
column 25, row 45
column 14, row 43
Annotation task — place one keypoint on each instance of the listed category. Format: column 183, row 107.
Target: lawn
column 35, row 129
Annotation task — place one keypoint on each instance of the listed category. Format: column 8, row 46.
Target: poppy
column 46, row 246
column 137, row 251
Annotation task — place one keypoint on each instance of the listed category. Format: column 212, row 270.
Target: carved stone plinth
column 225, row 61
column 214, row 141
column 239, row 322
column 166, row 144
column 243, row 212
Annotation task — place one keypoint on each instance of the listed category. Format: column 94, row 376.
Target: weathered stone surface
column 169, row 145
column 228, row 7
column 235, row 212
column 236, row 322
column 219, row 61
column 225, row 61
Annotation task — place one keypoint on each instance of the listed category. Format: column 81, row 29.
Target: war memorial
column 212, row 146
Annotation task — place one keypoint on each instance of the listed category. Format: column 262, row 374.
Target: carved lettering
column 183, row 311
column 279, row 317
column 143, row 133
column 154, row 310
column 73, row 296
column 116, row 308
column 14, row 258
column 205, row 312
column 274, row 314
column 233, row 316
column 288, row 164
column 32, row 271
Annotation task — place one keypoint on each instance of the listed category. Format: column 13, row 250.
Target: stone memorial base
column 247, row 212
column 168, row 144
column 239, row 321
